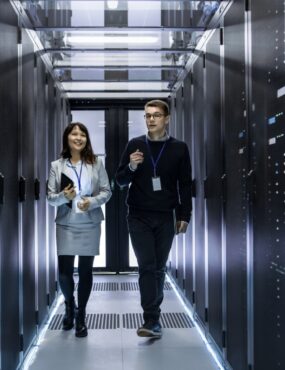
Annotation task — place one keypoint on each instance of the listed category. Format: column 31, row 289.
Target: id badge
column 156, row 184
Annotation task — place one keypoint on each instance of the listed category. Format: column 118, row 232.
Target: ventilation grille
column 132, row 320
column 93, row 321
column 103, row 321
column 56, row 322
column 176, row 320
column 102, row 287
column 167, row 320
column 167, row 286
column 128, row 286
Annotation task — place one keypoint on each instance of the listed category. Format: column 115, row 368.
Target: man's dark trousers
column 151, row 234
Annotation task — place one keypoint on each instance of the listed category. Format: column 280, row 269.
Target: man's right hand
column 69, row 192
column 135, row 159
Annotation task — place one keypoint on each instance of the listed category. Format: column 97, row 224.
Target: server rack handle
column 194, row 188
column 1, row 188
column 206, row 188
column 224, row 187
column 22, row 189
column 37, row 189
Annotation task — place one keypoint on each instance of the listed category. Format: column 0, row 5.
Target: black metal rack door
column 267, row 127
column 215, row 170
column 9, row 258
column 199, row 176
column 52, row 155
column 27, row 155
column 236, row 162
column 41, row 167
column 179, row 133
column 188, row 129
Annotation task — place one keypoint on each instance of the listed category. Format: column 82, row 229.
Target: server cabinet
column 236, row 169
column 27, row 210
column 249, row 155
column 188, row 127
column 52, row 155
column 180, row 238
column 172, row 131
column 41, row 168
column 267, row 130
column 199, row 177
column 9, row 256
column 214, row 176
column 58, row 122
column 176, row 128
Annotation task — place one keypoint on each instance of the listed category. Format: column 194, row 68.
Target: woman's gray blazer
column 101, row 191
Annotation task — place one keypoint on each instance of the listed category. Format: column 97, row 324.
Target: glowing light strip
column 29, row 359
column 202, row 335
column 111, row 39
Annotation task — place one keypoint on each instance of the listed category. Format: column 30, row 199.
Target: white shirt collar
column 163, row 138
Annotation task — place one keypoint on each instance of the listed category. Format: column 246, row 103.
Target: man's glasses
column 155, row 115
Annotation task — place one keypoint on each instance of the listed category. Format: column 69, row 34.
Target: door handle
column 22, row 189
column 1, row 188
column 37, row 189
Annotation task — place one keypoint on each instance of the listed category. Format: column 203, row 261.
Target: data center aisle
column 113, row 314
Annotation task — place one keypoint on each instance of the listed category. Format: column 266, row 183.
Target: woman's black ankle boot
column 80, row 326
column 68, row 320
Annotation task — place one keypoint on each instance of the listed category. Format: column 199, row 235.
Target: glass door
column 136, row 127
column 94, row 120
column 111, row 124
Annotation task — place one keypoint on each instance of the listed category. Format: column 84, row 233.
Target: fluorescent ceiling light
column 118, row 95
column 110, row 57
column 112, row 4
column 112, row 39
column 131, row 85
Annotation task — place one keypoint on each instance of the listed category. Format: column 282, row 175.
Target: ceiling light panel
column 119, row 95
column 105, row 86
column 140, row 13
column 93, row 59
column 110, row 39
column 80, row 46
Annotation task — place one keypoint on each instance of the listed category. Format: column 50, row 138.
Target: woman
column 78, row 185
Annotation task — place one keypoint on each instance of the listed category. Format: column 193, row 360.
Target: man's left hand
column 181, row 227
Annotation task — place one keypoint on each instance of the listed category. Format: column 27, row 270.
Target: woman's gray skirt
column 81, row 236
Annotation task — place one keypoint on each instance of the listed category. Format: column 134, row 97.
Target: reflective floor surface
column 113, row 314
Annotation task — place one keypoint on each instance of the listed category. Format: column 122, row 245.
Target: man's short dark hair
column 160, row 104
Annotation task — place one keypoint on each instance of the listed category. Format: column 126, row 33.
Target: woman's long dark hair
column 87, row 154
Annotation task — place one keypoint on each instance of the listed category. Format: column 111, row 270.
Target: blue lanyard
column 154, row 162
column 78, row 176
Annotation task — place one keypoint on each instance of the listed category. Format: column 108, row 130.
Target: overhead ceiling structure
column 117, row 49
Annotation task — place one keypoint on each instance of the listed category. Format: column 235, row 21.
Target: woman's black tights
column 65, row 268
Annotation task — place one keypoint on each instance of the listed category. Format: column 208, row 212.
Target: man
column 159, row 205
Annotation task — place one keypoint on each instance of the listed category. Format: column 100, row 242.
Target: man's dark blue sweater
column 174, row 170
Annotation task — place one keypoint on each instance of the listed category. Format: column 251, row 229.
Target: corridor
column 113, row 315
